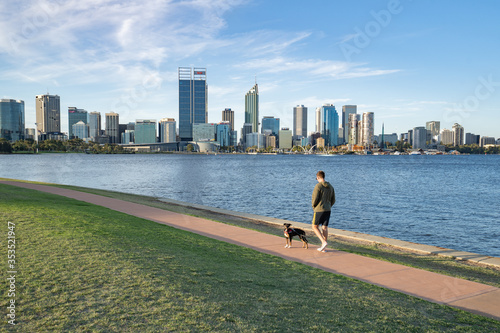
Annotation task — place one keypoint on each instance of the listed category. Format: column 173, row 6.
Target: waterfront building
column 252, row 108
column 247, row 128
column 388, row 138
column 48, row 114
column 145, row 131
column 446, row 137
column 128, row 137
column 419, row 138
column 223, row 133
column 112, row 127
column 487, row 140
column 318, row 125
column 94, row 125
column 234, row 138
column 433, row 128
column 12, row 123
column 228, row 115
column 166, row 130
column 204, row 132
column 80, row 130
column 272, row 124
column 285, row 138
column 353, row 133
column 347, row 110
column 458, row 135
column 410, row 137
column 368, row 128
column 299, row 122
column 330, row 125
column 193, row 100
column 257, row 140
column 30, row 134
column 320, row 142
column 270, row 140
column 471, row 139
column 76, row 115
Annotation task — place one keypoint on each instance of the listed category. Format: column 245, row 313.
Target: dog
column 290, row 232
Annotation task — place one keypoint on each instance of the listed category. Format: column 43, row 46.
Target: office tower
column 318, row 125
column 272, row 124
column 94, row 125
column 223, row 134
column 112, row 127
column 471, row 139
column 299, row 122
column 193, row 100
column 74, row 116
column 285, row 138
column 330, row 125
column 458, row 135
column 419, row 138
column 256, row 140
column 12, row 124
column 228, row 115
column 347, row 110
column 433, row 127
column 368, row 126
column 128, row 137
column 166, row 129
column 145, row 131
column 486, row 140
column 353, row 134
column 247, row 128
column 252, row 108
column 48, row 114
column 204, row 132
column 80, row 130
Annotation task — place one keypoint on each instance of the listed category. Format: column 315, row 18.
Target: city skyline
column 408, row 62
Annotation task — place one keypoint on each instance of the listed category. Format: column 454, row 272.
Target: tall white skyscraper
column 458, row 135
column 317, row 122
column 368, row 128
column 346, row 111
column 167, row 130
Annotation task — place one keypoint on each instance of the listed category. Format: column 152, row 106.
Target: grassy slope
column 87, row 268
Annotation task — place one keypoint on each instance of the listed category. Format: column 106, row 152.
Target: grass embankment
column 439, row 264
column 83, row 267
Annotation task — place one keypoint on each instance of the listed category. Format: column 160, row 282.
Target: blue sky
column 407, row 61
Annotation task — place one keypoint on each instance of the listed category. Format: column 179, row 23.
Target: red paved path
column 469, row 296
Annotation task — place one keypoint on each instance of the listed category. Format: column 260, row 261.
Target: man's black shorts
column 321, row 218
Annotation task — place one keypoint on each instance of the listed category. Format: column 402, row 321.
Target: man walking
column 323, row 198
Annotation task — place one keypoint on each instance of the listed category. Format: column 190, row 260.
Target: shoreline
column 406, row 246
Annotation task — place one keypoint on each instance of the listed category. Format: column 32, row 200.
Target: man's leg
column 325, row 232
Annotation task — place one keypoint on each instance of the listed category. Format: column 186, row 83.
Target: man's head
column 320, row 176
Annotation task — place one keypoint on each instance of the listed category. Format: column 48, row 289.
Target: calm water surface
column 448, row 201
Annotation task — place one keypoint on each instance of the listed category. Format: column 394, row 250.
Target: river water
column 448, row 201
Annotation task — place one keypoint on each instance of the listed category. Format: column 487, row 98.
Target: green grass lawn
column 85, row 268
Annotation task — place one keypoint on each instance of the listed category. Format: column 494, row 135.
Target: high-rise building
column 317, row 121
column 193, row 100
column 12, row 124
column 112, row 127
column 347, row 110
column 254, row 139
column 94, row 125
column 145, row 131
column 285, row 138
column 204, row 132
column 299, row 122
column 471, row 139
column 80, row 130
column 458, row 135
column 330, row 130
column 353, row 134
column 368, row 129
column 434, row 127
column 228, row 115
column 166, row 130
column 48, row 114
column 76, row 115
column 486, row 140
column 272, row 124
column 446, row 137
column 252, row 108
column 419, row 138
column 223, row 134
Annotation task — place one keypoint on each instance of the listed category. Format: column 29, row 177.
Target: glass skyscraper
column 252, row 108
column 192, row 100
column 346, row 111
column 330, row 125
column 74, row 116
column 272, row 124
column 12, row 119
